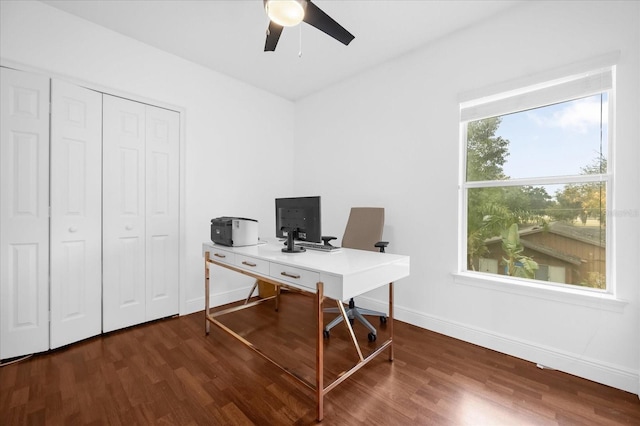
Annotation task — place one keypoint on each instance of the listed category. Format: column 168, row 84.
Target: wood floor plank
column 170, row 372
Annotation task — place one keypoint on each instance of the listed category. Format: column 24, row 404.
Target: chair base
column 354, row 313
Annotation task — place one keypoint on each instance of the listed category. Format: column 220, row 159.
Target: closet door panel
column 24, row 213
column 123, row 203
column 162, row 213
column 76, row 213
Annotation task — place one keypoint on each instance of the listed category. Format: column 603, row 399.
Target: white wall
column 232, row 132
column 392, row 132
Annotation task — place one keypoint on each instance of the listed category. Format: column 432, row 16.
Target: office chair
column 363, row 232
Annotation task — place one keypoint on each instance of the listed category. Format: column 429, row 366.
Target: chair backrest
column 364, row 228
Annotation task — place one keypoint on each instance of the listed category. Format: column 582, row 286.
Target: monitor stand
column 291, row 247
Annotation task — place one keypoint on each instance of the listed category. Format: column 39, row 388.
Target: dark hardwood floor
column 169, row 372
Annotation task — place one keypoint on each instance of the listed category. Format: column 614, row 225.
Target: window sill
column 600, row 301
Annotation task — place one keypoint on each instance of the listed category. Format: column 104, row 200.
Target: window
column 536, row 180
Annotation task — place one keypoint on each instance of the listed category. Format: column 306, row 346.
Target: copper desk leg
column 206, row 293
column 390, row 322
column 319, row 351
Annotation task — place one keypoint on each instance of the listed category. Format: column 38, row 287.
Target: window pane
column 552, row 233
column 569, row 138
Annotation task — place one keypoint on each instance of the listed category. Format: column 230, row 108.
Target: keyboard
column 319, row 247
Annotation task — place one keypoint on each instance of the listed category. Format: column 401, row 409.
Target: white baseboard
column 217, row 299
column 575, row 364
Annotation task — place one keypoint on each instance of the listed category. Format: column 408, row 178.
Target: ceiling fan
column 287, row 13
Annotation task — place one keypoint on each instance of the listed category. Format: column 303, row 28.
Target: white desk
column 336, row 275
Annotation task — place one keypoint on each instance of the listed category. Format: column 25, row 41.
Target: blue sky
column 556, row 140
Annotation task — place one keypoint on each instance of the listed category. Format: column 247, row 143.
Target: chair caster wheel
column 325, row 333
column 383, row 320
column 372, row 337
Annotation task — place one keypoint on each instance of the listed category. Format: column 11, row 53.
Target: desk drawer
column 252, row 264
column 299, row 277
column 221, row 256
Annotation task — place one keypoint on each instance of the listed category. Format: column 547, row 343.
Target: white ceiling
column 228, row 36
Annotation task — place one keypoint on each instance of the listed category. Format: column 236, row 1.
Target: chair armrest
column 327, row 239
column 381, row 245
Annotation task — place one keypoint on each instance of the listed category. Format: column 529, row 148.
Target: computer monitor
column 298, row 218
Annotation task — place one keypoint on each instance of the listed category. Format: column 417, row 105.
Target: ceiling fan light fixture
column 286, row 13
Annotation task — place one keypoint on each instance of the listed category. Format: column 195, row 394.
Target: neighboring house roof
column 575, row 260
column 586, row 234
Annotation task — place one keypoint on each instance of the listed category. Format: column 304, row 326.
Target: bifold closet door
column 123, row 220
column 162, row 212
column 140, row 213
column 24, row 213
column 76, row 213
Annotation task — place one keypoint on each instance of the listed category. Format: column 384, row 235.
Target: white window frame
column 534, row 92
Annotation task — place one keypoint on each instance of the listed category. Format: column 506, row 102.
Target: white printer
column 234, row 231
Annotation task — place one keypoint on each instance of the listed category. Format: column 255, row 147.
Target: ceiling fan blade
column 273, row 35
column 316, row 17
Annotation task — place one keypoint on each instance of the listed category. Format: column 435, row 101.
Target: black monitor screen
column 300, row 214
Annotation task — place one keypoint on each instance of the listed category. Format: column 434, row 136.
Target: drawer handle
column 253, row 265
column 286, row 274
column 220, row 255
